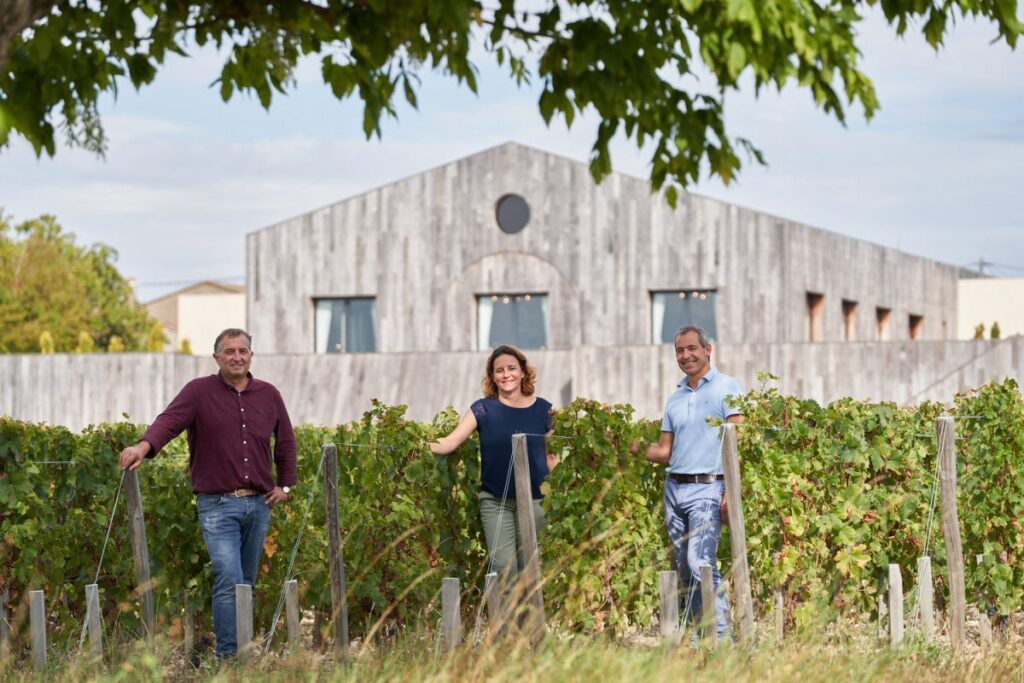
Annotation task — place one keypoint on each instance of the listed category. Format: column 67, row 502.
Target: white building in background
column 987, row 300
column 199, row 313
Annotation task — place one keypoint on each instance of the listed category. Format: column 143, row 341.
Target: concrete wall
column 79, row 389
column 989, row 300
column 425, row 246
column 201, row 317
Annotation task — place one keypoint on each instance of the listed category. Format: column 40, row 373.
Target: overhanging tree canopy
column 630, row 61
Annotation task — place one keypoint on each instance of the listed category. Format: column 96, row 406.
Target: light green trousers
column 502, row 533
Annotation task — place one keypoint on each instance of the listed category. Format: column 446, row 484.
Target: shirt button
column 244, row 442
column 247, row 476
column 243, row 425
column 243, row 410
column 245, row 459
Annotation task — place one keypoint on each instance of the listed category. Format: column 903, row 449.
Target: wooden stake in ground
column 243, row 621
column 737, row 534
column 5, row 623
column 451, row 621
column 189, row 625
column 895, row 606
column 339, row 604
column 780, row 615
column 140, row 551
column 291, row 604
column 709, row 632
column 37, row 617
column 926, row 598
column 668, row 589
column 93, row 618
column 530, row 578
column 951, row 531
column 493, row 601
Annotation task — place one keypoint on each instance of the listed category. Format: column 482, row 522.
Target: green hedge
column 832, row 494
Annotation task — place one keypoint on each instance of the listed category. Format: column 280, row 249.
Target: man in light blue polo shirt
column 692, row 449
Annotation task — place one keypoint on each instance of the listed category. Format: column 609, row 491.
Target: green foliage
column 831, row 496
column 979, row 331
column 185, row 346
column 46, row 342
column 995, row 332
column 50, row 284
column 116, row 345
column 633, row 63
column 156, row 340
column 85, row 342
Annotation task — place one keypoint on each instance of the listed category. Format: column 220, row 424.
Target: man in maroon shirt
column 230, row 417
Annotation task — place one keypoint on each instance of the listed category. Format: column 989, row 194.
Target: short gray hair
column 231, row 333
column 702, row 334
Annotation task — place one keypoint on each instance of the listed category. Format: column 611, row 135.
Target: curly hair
column 529, row 381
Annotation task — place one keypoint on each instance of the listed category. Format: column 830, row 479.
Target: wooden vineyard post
column 984, row 623
column 5, row 623
column 291, row 603
column 188, row 625
column 708, row 625
column 140, row 551
column 780, row 615
column 951, row 531
column 339, row 604
column 37, row 617
column 93, row 619
column 926, row 598
column 668, row 589
column 895, row 606
column 530, row 576
column 451, row 621
column 492, row 599
column 243, row 620
column 737, row 534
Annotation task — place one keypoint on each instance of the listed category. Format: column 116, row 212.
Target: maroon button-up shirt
column 229, row 435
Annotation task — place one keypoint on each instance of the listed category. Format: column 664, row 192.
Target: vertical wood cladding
column 425, row 246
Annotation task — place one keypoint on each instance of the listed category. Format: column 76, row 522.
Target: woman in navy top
column 509, row 407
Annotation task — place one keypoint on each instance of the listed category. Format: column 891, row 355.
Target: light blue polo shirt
column 696, row 448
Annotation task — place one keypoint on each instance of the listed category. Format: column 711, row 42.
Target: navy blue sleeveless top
column 496, row 423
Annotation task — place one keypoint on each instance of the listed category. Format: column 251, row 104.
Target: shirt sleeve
column 177, row 416
column 732, row 391
column 284, row 444
column 666, row 420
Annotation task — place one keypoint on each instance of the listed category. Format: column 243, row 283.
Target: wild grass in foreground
column 562, row 658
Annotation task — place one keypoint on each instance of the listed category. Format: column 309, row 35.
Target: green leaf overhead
column 657, row 70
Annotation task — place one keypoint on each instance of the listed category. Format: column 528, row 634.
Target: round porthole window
column 512, row 213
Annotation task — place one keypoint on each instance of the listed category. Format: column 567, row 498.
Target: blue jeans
column 234, row 529
column 693, row 519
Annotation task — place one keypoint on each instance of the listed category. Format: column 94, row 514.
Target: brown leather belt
column 696, row 478
column 242, row 493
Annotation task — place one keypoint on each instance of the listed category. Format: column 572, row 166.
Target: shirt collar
column 708, row 376
column 227, row 385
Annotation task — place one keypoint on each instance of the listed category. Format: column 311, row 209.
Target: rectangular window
column 517, row 319
column 882, row 320
column 850, row 319
column 674, row 309
column 815, row 306
column 346, row 325
column 916, row 325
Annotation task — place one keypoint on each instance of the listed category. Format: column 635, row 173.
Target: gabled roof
column 203, row 287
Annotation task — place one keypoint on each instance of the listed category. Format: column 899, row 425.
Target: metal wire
column 103, row 551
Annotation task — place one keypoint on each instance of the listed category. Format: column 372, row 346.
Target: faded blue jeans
column 693, row 519
column 234, row 529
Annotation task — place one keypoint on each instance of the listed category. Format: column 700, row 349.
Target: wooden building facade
column 519, row 245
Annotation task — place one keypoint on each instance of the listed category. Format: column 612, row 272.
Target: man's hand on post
column 276, row 496
column 133, row 456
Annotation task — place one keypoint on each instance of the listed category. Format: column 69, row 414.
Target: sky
column 937, row 172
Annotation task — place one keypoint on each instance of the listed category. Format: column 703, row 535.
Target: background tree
column 156, row 340
column 979, row 331
column 49, row 284
column 636, row 64
column 995, row 332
